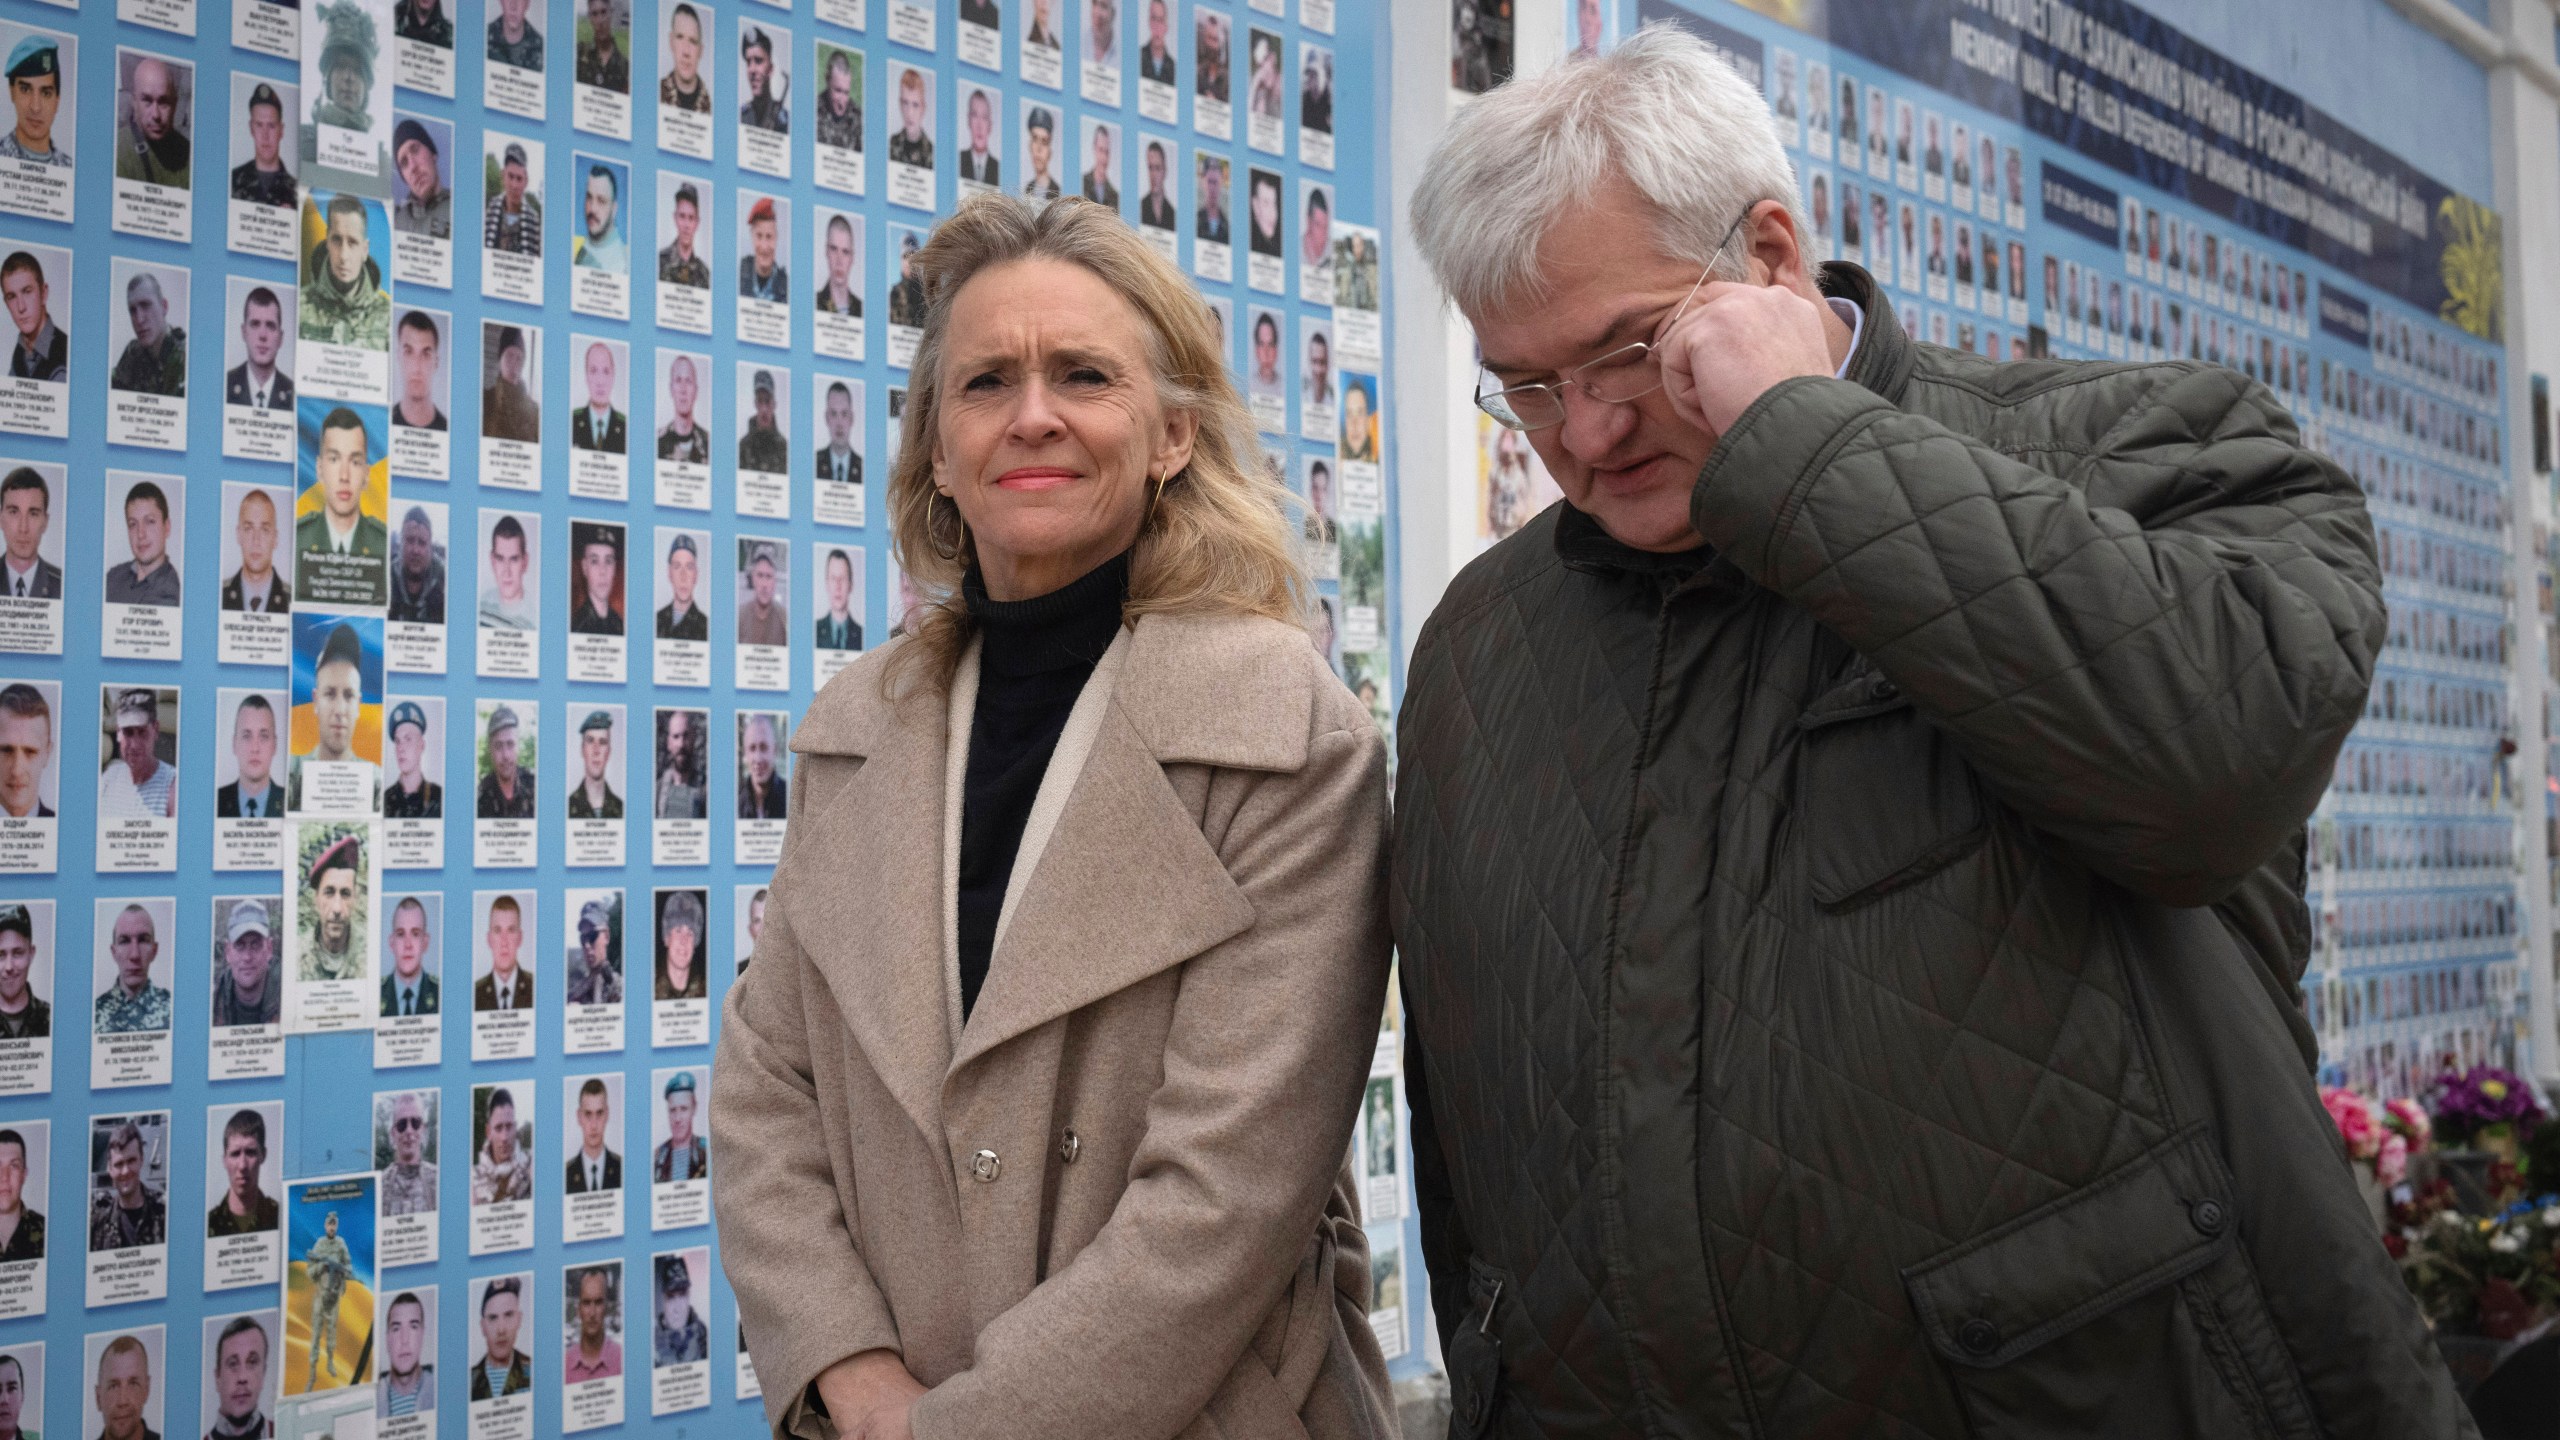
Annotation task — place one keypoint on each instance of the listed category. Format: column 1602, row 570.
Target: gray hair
column 1663, row 110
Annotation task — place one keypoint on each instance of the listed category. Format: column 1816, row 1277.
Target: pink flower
column 2391, row 1166
column 2409, row 1118
column 2353, row 1115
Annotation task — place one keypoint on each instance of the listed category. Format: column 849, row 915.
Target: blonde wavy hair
column 1216, row 539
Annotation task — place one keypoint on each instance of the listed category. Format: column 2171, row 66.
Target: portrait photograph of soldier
column 241, row 1374
column 501, row 978
column 685, row 86
column 763, row 749
column 422, row 176
column 406, row 1147
column 1041, row 30
column 593, row 1165
column 764, row 441
column 26, row 1175
column 1102, row 33
column 764, row 266
column 686, row 436
column 341, row 545
column 906, row 292
column 604, row 45
column 262, row 166
column 421, row 378
column 840, row 246
column 1315, row 89
column 344, row 272
column 243, row 1171
column 416, row 788
column 350, row 130
column 500, row 1366
column 507, row 787
column 1265, row 93
column 145, row 329
column 329, row 1269
column 764, row 79
column 591, row 1307
column 41, row 78
column 252, row 535
column 246, row 988
column 839, row 447
column 679, row 1336
column 513, row 37
column 839, row 125
column 511, row 187
column 600, row 424
column 682, row 260
column 128, row 1181
column 763, row 592
column 138, row 779
column 427, row 22
column 1101, row 180
column 1262, row 212
column 838, row 603
column 418, row 576
column 509, row 360
column 337, row 691
column 678, row 972
column 600, row 763
column 1209, row 31
column 502, row 1137
column 333, row 904
column 510, row 589
column 1209, row 182
column 682, row 1151
column 595, row 551
column 149, row 542
column 125, row 1399
column 41, row 347
column 1156, row 208
column 404, row 1382
column 680, row 780
column 412, row 981
column 26, row 974
column 254, row 728
column 1040, row 157
column 593, row 968
column 155, row 119
column 680, row 615
column 601, row 242
column 911, row 143
column 981, row 116
column 1159, row 60
column 30, row 545
column 258, row 351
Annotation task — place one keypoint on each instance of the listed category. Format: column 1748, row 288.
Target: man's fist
column 1733, row 344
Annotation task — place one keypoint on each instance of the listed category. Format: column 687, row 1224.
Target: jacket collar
column 1191, row 690
column 1882, row 362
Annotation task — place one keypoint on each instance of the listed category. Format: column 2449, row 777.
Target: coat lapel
column 876, row 836
column 1126, row 887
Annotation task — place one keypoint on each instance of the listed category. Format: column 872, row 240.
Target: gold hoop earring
column 948, row 549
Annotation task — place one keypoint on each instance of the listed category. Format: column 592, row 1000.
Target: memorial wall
column 440, row 456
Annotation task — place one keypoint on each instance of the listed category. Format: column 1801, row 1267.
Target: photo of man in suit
column 980, row 164
column 1155, row 208
column 26, row 512
column 255, row 795
column 597, row 1166
column 256, row 587
column 257, row 382
column 409, row 988
column 838, row 461
column 1099, row 184
column 597, row 425
column 508, row 985
column 837, row 628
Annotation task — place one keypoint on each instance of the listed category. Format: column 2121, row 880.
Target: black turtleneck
column 1033, row 660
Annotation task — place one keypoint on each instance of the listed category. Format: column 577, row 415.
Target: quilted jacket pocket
column 2077, row 1320
column 1882, row 802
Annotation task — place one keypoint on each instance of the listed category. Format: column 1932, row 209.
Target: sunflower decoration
column 2474, row 280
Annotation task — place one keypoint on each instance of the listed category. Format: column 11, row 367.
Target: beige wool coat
column 1117, row 1204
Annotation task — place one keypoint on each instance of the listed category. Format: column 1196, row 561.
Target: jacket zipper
column 1608, row 1089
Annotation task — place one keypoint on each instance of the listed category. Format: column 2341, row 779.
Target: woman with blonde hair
column 1036, row 1100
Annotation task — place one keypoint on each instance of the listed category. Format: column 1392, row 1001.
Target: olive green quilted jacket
column 1850, row 969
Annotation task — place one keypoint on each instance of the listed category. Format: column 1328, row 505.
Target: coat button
column 985, row 1166
column 1069, row 1147
column 1883, row 689
column 2208, row 1216
column 1978, row 1337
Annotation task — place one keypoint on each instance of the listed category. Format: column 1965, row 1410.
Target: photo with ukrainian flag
column 330, row 1231
column 336, row 734
column 342, row 498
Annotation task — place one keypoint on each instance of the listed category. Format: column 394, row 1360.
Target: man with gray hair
column 1848, row 879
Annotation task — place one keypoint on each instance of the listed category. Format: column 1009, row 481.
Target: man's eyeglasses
column 1627, row 373
column 408, row 1122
